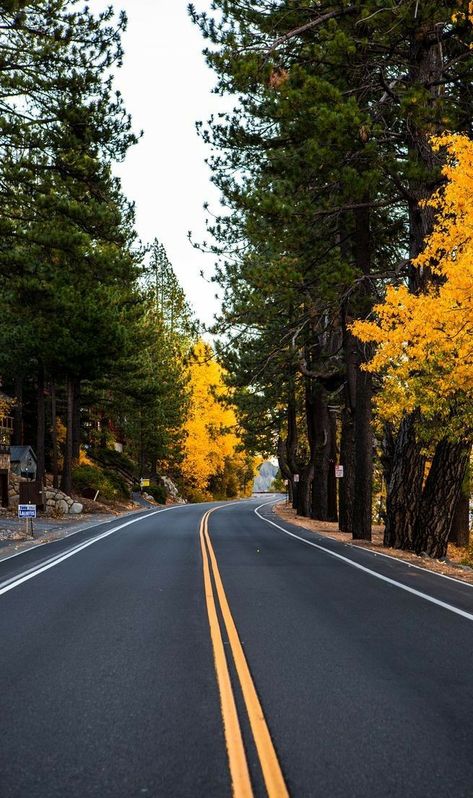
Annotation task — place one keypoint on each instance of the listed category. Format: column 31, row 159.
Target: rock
column 76, row 507
column 171, row 489
column 62, row 506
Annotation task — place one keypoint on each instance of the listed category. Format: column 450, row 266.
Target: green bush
column 110, row 485
column 158, row 492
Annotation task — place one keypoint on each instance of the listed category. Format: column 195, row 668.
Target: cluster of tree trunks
column 45, row 424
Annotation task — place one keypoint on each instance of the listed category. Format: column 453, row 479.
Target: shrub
column 158, row 492
column 110, row 485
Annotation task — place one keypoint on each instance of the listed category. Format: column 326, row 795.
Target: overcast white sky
column 167, row 87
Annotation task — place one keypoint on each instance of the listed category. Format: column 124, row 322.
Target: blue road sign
column 27, row 511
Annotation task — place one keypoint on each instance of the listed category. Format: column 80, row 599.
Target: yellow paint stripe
column 272, row 774
column 234, row 741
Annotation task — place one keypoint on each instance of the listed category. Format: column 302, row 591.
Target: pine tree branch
column 309, row 25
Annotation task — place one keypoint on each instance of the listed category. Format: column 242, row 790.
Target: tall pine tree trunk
column 66, row 481
column 346, row 484
column 321, row 455
column 405, row 487
column 292, row 440
column 332, row 514
column 76, row 420
column 283, row 465
column 40, row 426
column 52, row 390
column 363, row 457
column 460, row 531
column 18, row 439
column 440, row 497
column 363, row 488
column 347, row 439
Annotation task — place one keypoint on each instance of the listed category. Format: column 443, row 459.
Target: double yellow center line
column 239, row 771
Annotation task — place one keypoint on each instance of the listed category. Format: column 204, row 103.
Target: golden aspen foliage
column 6, row 403
column 425, row 341
column 211, row 425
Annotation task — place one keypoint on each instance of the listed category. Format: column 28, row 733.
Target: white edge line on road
column 390, row 557
column 17, row 580
column 354, row 564
column 46, row 542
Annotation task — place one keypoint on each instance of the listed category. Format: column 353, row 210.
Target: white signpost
column 296, row 477
column 339, row 471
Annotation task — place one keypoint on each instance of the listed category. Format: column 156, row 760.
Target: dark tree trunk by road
column 363, row 457
column 40, row 426
column 440, row 497
column 292, row 440
column 346, row 485
column 283, row 465
column 363, row 488
column 460, row 531
column 407, row 467
column 332, row 481
column 347, row 438
column 405, row 487
column 54, row 460
column 66, row 481
column 76, row 420
column 321, row 455
column 18, row 439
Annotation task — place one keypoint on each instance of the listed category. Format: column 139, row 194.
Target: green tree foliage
column 324, row 164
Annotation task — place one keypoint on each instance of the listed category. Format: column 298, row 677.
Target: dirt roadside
column 47, row 529
column 452, row 567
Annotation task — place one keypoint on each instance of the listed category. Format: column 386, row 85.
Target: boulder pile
column 57, row 502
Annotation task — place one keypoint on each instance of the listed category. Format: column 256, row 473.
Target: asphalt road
column 350, row 674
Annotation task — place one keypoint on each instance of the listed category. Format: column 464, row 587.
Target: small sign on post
column 296, row 477
column 339, row 471
column 28, row 512
column 144, row 483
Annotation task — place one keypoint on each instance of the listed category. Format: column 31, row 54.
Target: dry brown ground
column 452, row 568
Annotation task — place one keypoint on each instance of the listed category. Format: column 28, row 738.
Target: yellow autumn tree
column 425, row 342
column 212, row 441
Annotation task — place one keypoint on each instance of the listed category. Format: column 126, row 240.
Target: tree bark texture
column 405, row 487
column 332, row 481
column 440, row 497
column 76, row 420
column 407, row 467
column 291, row 443
column 283, row 465
column 363, row 457
column 346, row 485
column 54, row 459
column 460, row 531
column 66, row 481
column 321, row 455
column 40, row 427
column 347, row 439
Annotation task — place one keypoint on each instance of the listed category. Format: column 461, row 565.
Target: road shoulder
column 330, row 531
